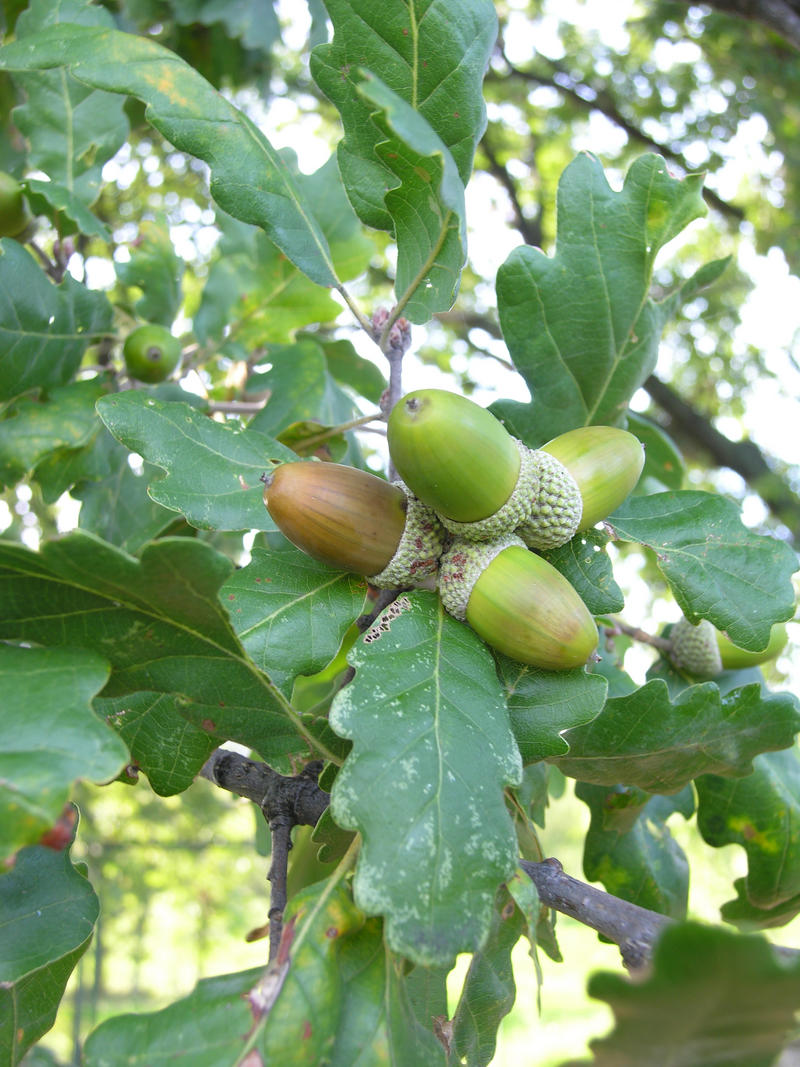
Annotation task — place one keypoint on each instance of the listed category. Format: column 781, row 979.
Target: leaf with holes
column 213, row 470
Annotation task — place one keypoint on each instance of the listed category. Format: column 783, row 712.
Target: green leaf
column 290, row 612
column 254, row 295
column 301, row 1025
column 636, row 857
column 423, row 711
column 72, row 131
column 432, row 55
column 543, row 704
column 213, row 470
column 663, row 463
column 31, row 429
column 44, row 328
column 585, row 564
column 762, row 814
column 580, row 326
column 158, row 621
column 377, row 1023
column 351, row 249
column 348, row 368
column 745, row 915
column 162, row 744
column 299, row 388
column 253, row 22
column 425, row 202
column 208, row 1026
column 489, row 990
column 154, row 268
column 68, row 214
column 116, row 506
column 49, row 737
column 647, row 741
column 716, row 567
column 714, row 998
column 248, row 178
column 47, row 914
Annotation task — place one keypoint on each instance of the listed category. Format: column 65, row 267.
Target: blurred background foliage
column 707, row 90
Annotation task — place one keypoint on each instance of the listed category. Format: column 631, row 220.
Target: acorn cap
column 417, row 555
column 557, row 505
column 605, row 462
column 453, row 454
column 694, row 649
column 518, row 603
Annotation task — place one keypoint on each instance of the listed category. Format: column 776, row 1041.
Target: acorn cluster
column 474, row 508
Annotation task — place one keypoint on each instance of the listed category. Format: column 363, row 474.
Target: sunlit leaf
column 290, row 612
column 208, row 1025
column 248, row 178
column 580, row 325
column 543, row 704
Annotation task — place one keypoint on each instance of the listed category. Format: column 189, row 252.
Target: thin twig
column 343, row 427
column 645, row 638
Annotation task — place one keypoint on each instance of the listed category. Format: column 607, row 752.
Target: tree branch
column 744, row 457
column 589, row 98
column 530, row 229
column 781, row 16
column 633, row 929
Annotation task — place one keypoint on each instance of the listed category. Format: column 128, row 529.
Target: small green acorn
column 703, row 652
column 151, row 352
column 461, row 461
column 355, row 521
column 517, row 602
column 584, row 475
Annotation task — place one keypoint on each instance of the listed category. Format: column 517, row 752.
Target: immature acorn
column 355, row 521
column 457, row 458
column 703, row 652
column 483, row 483
column 603, row 464
column 517, row 602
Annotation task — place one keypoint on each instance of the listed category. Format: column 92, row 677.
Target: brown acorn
column 355, row 521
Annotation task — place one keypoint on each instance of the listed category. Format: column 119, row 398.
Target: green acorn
column 517, row 602
column 457, row 458
column 151, row 352
column 355, row 521
column 14, row 215
column 584, row 475
column 703, row 652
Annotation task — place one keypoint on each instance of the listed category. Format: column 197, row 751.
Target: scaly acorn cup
column 355, row 521
column 584, row 475
column 703, row 652
column 457, row 458
column 517, row 602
